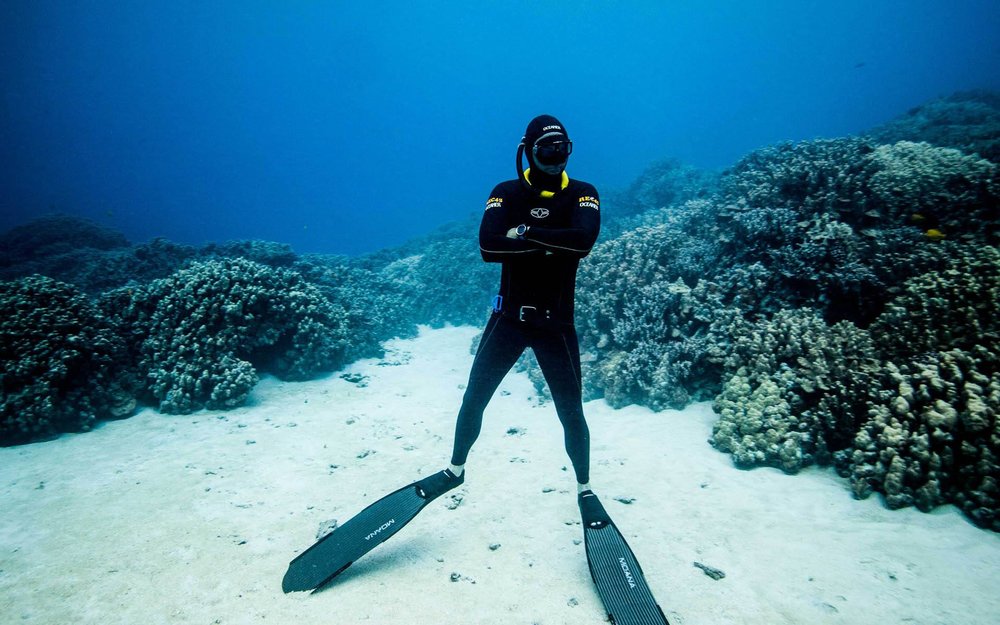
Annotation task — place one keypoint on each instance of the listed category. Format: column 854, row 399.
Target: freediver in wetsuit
column 538, row 227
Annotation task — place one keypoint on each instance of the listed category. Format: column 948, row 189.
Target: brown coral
column 934, row 436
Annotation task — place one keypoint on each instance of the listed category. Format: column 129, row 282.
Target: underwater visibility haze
column 348, row 127
column 239, row 279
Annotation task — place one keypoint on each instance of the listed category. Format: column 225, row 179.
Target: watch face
column 521, row 230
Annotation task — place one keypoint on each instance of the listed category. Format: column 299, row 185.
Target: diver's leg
column 499, row 349
column 558, row 354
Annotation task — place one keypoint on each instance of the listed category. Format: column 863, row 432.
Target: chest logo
column 539, row 213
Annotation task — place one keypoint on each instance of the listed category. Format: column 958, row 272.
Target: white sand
column 193, row 519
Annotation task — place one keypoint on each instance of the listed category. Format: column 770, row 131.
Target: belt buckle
column 520, row 314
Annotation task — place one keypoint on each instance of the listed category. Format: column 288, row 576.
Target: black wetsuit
column 534, row 307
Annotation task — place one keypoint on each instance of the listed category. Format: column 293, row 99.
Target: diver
column 538, row 227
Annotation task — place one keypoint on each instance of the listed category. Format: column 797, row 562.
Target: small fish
column 917, row 218
column 934, row 235
column 859, row 65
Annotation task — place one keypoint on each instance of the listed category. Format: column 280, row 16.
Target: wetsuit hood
column 544, row 126
column 547, row 129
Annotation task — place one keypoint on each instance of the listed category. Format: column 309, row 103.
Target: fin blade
column 616, row 572
column 371, row 527
column 333, row 553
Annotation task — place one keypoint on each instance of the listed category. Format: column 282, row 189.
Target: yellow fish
column 934, row 235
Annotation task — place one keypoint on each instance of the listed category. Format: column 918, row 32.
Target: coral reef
column 668, row 183
column 933, row 436
column 59, row 362
column 651, row 339
column 798, row 218
column 143, row 263
column 838, row 222
column 923, row 432
column 968, row 121
column 96, row 270
column 54, row 235
column 955, row 307
column 756, row 426
column 671, row 246
column 376, row 306
column 663, row 184
column 811, row 178
column 263, row 252
column 199, row 336
column 839, row 299
column 937, row 189
column 664, row 349
column 795, row 389
column 431, row 292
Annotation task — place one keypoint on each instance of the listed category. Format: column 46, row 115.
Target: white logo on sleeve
column 539, row 213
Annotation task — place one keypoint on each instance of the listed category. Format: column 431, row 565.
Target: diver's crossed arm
column 494, row 244
column 579, row 237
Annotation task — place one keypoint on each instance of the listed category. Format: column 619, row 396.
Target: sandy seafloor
column 193, row 519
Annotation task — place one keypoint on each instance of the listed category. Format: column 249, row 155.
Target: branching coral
column 376, row 306
column 802, row 212
column 200, row 335
column 839, row 222
column 59, row 362
column 812, row 178
column 263, row 252
column 865, row 186
column 672, row 247
column 953, row 308
column 658, row 343
column 938, row 188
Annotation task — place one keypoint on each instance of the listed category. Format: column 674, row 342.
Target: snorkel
column 522, row 173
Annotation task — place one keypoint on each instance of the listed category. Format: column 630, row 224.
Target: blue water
column 342, row 128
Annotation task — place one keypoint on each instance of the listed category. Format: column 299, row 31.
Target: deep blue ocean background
column 349, row 127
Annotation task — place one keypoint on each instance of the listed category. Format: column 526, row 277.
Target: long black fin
column 620, row 583
column 371, row 527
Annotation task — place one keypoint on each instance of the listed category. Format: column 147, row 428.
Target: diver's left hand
column 512, row 233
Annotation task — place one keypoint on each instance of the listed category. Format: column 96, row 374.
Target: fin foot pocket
column 434, row 486
column 592, row 511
